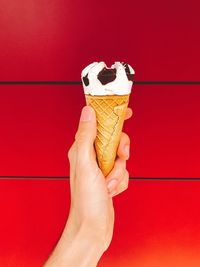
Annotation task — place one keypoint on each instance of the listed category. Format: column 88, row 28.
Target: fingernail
column 86, row 114
column 127, row 150
column 112, row 184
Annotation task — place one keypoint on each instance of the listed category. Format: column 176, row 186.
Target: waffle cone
column 110, row 113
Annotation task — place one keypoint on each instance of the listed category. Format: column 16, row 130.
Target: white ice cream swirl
column 98, row 79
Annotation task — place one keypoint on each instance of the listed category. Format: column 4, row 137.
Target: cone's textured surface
column 110, row 113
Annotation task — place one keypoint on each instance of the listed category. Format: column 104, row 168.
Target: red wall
column 53, row 41
column 39, row 122
column 158, row 227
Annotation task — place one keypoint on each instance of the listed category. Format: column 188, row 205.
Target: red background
column 53, row 41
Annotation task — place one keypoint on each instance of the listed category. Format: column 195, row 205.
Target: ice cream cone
column 107, row 90
column 110, row 113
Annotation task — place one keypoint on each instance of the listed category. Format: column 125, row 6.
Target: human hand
column 89, row 228
column 91, row 193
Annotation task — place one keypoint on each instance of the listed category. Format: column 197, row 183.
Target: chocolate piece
column 106, row 75
column 86, row 80
column 130, row 76
column 128, row 72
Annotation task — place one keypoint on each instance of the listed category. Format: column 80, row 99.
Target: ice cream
column 107, row 90
column 98, row 79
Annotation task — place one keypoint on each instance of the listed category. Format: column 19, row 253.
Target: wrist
column 85, row 250
column 80, row 249
column 90, row 245
column 85, row 232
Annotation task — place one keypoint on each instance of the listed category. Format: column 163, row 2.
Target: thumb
column 86, row 133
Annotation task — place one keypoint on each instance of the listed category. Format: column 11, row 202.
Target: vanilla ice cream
column 98, row 79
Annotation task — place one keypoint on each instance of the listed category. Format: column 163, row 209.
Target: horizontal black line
column 165, row 178
column 33, row 177
column 38, row 82
column 131, row 178
column 168, row 82
column 79, row 82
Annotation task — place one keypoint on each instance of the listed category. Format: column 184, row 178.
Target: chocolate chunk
column 130, row 76
column 127, row 68
column 106, row 75
column 86, row 80
column 128, row 72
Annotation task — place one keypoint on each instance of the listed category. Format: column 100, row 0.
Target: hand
column 89, row 228
column 91, row 193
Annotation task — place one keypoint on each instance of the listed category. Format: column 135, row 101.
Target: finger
column 116, row 175
column 72, row 159
column 86, row 133
column 124, row 147
column 121, row 187
column 71, row 153
column 129, row 113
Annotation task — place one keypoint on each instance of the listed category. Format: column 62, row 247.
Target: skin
column 89, row 228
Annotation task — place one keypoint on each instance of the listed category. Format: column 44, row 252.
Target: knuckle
column 69, row 154
column 80, row 138
column 121, row 165
column 125, row 137
column 76, row 136
column 122, row 176
column 119, row 175
column 125, row 181
column 125, row 187
column 128, row 139
column 79, row 144
column 127, row 175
